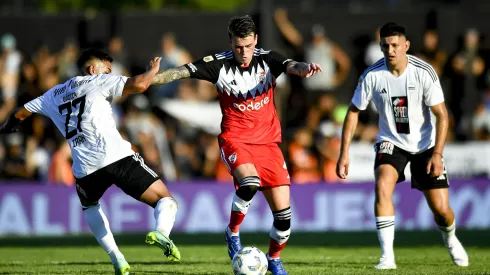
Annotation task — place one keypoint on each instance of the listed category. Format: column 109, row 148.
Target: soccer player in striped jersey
column 245, row 79
column 413, row 124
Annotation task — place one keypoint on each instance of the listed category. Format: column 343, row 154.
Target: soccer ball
column 249, row 261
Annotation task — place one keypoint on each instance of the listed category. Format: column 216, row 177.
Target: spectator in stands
column 60, row 168
column 432, row 53
column 373, row 50
column 304, row 163
column 334, row 61
column 148, row 133
column 173, row 55
column 328, row 146
column 468, row 67
column 67, row 61
column 10, row 60
column 118, row 53
column 481, row 119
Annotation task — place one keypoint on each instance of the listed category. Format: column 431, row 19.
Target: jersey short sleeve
column 362, row 94
column 111, row 85
column 433, row 93
column 276, row 62
column 40, row 104
column 206, row 68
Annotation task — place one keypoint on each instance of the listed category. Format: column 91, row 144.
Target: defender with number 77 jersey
column 81, row 109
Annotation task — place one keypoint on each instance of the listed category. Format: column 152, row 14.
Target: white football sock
column 449, row 232
column 386, row 234
column 165, row 212
column 98, row 224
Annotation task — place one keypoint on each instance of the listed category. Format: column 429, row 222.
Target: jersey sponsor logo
column 400, row 113
column 75, row 84
column 232, row 158
column 208, row 58
column 192, row 67
column 78, row 140
column 59, row 91
column 383, row 91
column 385, row 147
column 411, row 87
column 69, row 97
column 252, row 105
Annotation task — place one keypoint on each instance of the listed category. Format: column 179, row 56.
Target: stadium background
column 174, row 126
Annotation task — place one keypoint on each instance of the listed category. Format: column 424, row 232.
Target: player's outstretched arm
column 303, row 69
column 435, row 165
column 169, row 75
column 141, row 82
column 348, row 130
column 14, row 119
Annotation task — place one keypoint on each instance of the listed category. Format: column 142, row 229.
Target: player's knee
column 442, row 210
column 248, row 186
column 281, row 228
column 243, row 198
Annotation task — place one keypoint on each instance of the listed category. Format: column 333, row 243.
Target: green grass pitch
column 81, row 255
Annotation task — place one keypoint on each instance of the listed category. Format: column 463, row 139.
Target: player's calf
column 280, row 231
column 99, row 225
column 248, row 187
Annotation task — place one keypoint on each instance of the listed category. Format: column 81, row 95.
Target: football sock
column 238, row 211
column 98, row 224
column 242, row 199
column 280, row 231
column 164, row 214
column 386, row 234
column 448, row 232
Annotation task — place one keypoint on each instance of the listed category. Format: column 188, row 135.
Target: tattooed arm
column 303, row 69
column 170, row 75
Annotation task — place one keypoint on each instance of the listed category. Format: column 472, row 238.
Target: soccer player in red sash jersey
column 245, row 79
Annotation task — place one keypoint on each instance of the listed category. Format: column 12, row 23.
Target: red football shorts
column 267, row 159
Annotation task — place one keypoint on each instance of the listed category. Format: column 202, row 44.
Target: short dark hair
column 241, row 26
column 90, row 54
column 392, row 29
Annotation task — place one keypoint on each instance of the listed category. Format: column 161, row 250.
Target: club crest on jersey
column 232, row 158
column 261, row 77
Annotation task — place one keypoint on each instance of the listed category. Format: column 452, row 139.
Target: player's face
column 394, row 48
column 243, row 48
column 103, row 67
column 99, row 67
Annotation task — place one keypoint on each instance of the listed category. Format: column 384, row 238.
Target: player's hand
column 154, row 64
column 313, row 69
column 342, row 169
column 435, row 167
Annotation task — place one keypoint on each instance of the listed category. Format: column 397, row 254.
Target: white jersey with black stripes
column 403, row 103
column 81, row 109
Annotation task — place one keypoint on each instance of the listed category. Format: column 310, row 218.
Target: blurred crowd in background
column 310, row 110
